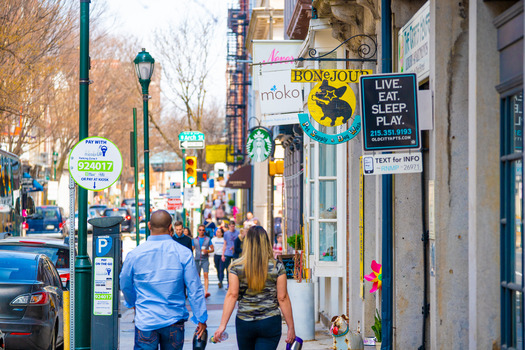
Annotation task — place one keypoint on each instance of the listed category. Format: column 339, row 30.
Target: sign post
column 191, row 140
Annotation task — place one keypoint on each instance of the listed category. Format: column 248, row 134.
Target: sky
column 141, row 17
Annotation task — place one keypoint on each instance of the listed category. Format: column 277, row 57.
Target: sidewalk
column 214, row 304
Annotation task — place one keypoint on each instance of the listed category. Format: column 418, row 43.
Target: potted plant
column 295, row 241
column 377, row 329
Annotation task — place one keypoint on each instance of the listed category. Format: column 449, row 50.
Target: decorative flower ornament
column 376, row 276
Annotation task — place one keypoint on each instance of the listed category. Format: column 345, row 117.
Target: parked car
column 55, row 249
column 49, row 220
column 98, row 207
column 130, row 202
column 31, row 301
column 2, row 341
column 129, row 221
column 92, row 213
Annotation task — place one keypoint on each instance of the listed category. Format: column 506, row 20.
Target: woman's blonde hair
column 256, row 253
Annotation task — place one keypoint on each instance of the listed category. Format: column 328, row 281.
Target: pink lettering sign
column 274, row 57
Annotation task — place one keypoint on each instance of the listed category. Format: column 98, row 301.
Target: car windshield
column 47, row 213
column 59, row 257
column 116, row 212
column 17, row 269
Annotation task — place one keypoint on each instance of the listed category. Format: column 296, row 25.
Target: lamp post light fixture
column 144, row 64
column 55, row 158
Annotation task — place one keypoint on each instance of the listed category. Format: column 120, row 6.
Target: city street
column 214, row 306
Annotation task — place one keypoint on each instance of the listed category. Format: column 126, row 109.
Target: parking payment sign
column 103, row 245
column 95, row 163
column 103, row 286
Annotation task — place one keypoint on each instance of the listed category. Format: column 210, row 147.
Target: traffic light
column 202, row 176
column 191, row 170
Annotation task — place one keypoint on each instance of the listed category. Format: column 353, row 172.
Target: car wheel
column 53, row 343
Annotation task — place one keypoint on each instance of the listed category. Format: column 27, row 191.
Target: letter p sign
column 103, row 245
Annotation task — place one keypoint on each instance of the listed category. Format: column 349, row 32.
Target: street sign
column 390, row 115
column 393, row 163
column 191, row 136
column 95, row 163
column 191, row 144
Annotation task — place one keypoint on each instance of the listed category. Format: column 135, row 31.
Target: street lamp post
column 144, row 64
column 55, row 158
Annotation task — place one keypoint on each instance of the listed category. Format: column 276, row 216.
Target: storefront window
column 518, row 186
column 512, row 222
column 328, row 241
column 327, row 199
column 327, row 160
column 312, row 199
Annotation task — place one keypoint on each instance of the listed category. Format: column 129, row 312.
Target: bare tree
column 185, row 53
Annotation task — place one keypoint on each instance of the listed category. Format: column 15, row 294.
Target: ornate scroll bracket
column 366, row 50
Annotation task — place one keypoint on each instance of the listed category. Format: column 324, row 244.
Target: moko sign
column 95, row 163
column 259, row 144
column 390, row 116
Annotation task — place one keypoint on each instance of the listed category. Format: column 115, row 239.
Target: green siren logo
column 259, row 145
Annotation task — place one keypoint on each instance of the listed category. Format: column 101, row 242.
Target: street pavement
column 214, row 306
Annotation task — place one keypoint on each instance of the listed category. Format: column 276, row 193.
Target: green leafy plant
column 295, row 241
column 231, row 202
column 377, row 326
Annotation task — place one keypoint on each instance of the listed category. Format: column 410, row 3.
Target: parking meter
column 107, row 258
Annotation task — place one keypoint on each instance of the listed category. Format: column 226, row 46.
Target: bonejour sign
column 389, row 107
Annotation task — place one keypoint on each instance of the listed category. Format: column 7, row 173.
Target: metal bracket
column 366, row 51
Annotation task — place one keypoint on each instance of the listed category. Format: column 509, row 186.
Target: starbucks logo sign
column 259, row 144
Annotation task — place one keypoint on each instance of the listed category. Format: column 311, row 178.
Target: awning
column 241, row 178
column 30, row 185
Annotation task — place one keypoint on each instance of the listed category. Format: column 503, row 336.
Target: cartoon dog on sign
column 329, row 99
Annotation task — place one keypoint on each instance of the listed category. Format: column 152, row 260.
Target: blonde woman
column 258, row 282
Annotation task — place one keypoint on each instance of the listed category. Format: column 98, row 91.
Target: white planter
column 302, row 298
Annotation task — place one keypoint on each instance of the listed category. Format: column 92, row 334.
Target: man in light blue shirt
column 227, row 251
column 152, row 280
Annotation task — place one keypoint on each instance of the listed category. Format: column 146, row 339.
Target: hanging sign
column 330, row 75
column 331, row 104
column 95, row 163
column 331, row 139
column 390, row 115
column 259, row 145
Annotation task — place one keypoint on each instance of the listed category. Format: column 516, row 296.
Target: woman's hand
column 223, row 258
column 290, row 336
column 218, row 334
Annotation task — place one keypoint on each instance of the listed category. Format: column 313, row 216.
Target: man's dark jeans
column 169, row 338
column 259, row 335
column 227, row 262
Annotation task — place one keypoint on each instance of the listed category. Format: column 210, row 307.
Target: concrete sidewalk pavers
column 214, row 306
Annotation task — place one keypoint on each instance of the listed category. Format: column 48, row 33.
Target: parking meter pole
column 72, row 248
column 183, row 186
column 107, row 261
column 82, row 262
column 136, row 167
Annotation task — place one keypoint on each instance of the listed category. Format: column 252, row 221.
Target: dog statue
column 343, row 337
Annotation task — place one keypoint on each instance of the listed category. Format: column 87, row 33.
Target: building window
column 512, row 221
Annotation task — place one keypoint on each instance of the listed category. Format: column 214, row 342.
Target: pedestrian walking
column 228, row 251
column 203, row 247
column 258, row 283
column 180, row 237
column 218, row 245
column 278, row 246
column 237, row 244
column 152, row 286
column 187, row 232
